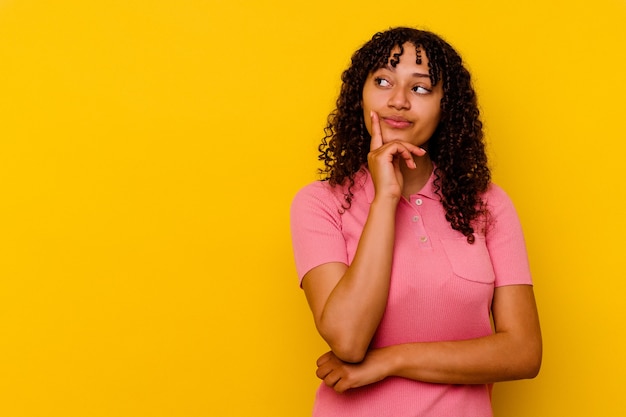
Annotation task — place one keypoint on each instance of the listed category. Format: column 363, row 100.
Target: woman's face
column 408, row 105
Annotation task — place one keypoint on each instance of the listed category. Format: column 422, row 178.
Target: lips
column 396, row 122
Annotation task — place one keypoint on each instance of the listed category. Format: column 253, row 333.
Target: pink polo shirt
column 441, row 287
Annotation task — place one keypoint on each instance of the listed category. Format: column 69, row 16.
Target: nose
column 399, row 99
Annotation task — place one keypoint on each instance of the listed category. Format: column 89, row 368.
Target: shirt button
column 416, row 219
column 424, row 239
column 419, row 201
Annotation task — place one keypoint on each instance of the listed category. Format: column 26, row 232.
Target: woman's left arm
column 512, row 352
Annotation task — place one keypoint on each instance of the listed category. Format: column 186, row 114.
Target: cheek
column 435, row 115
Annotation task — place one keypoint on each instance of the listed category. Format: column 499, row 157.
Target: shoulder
column 318, row 193
column 317, row 202
column 496, row 198
column 503, row 216
column 495, row 193
column 324, row 195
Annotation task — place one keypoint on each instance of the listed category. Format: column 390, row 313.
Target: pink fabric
column 441, row 287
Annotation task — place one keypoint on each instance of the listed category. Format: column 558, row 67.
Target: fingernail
column 423, row 149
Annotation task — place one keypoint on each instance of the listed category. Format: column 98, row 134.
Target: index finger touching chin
column 377, row 135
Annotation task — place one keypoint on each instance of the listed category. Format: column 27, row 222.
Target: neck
column 416, row 178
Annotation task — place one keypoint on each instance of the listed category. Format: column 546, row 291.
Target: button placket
column 417, row 224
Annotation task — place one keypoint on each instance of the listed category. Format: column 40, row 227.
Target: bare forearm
column 355, row 306
column 513, row 352
column 484, row 360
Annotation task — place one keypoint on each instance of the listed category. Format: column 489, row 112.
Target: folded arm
column 348, row 302
column 513, row 352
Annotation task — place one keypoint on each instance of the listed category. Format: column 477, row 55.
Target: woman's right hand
column 348, row 301
column 384, row 161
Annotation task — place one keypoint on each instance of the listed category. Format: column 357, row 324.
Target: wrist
column 394, row 362
column 387, row 361
column 385, row 202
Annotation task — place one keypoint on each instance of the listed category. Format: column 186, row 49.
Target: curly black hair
column 456, row 147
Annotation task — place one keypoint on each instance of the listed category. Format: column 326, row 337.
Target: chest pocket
column 469, row 261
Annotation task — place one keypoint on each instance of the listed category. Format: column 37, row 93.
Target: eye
column 421, row 89
column 381, row 82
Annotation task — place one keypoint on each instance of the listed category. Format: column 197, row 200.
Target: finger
column 377, row 135
column 324, row 368
column 331, row 379
column 401, row 149
column 405, row 151
column 323, row 359
column 344, row 383
column 413, row 151
column 419, row 151
column 341, row 386
column 323, row 371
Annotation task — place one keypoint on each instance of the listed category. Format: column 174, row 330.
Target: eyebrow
column 415, row 74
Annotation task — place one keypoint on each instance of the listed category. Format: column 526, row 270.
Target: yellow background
column 149, row 151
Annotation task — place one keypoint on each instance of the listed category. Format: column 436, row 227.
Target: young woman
column 413, row 263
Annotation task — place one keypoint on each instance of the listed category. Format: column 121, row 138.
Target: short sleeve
column 505, row 241
column 316, row 229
